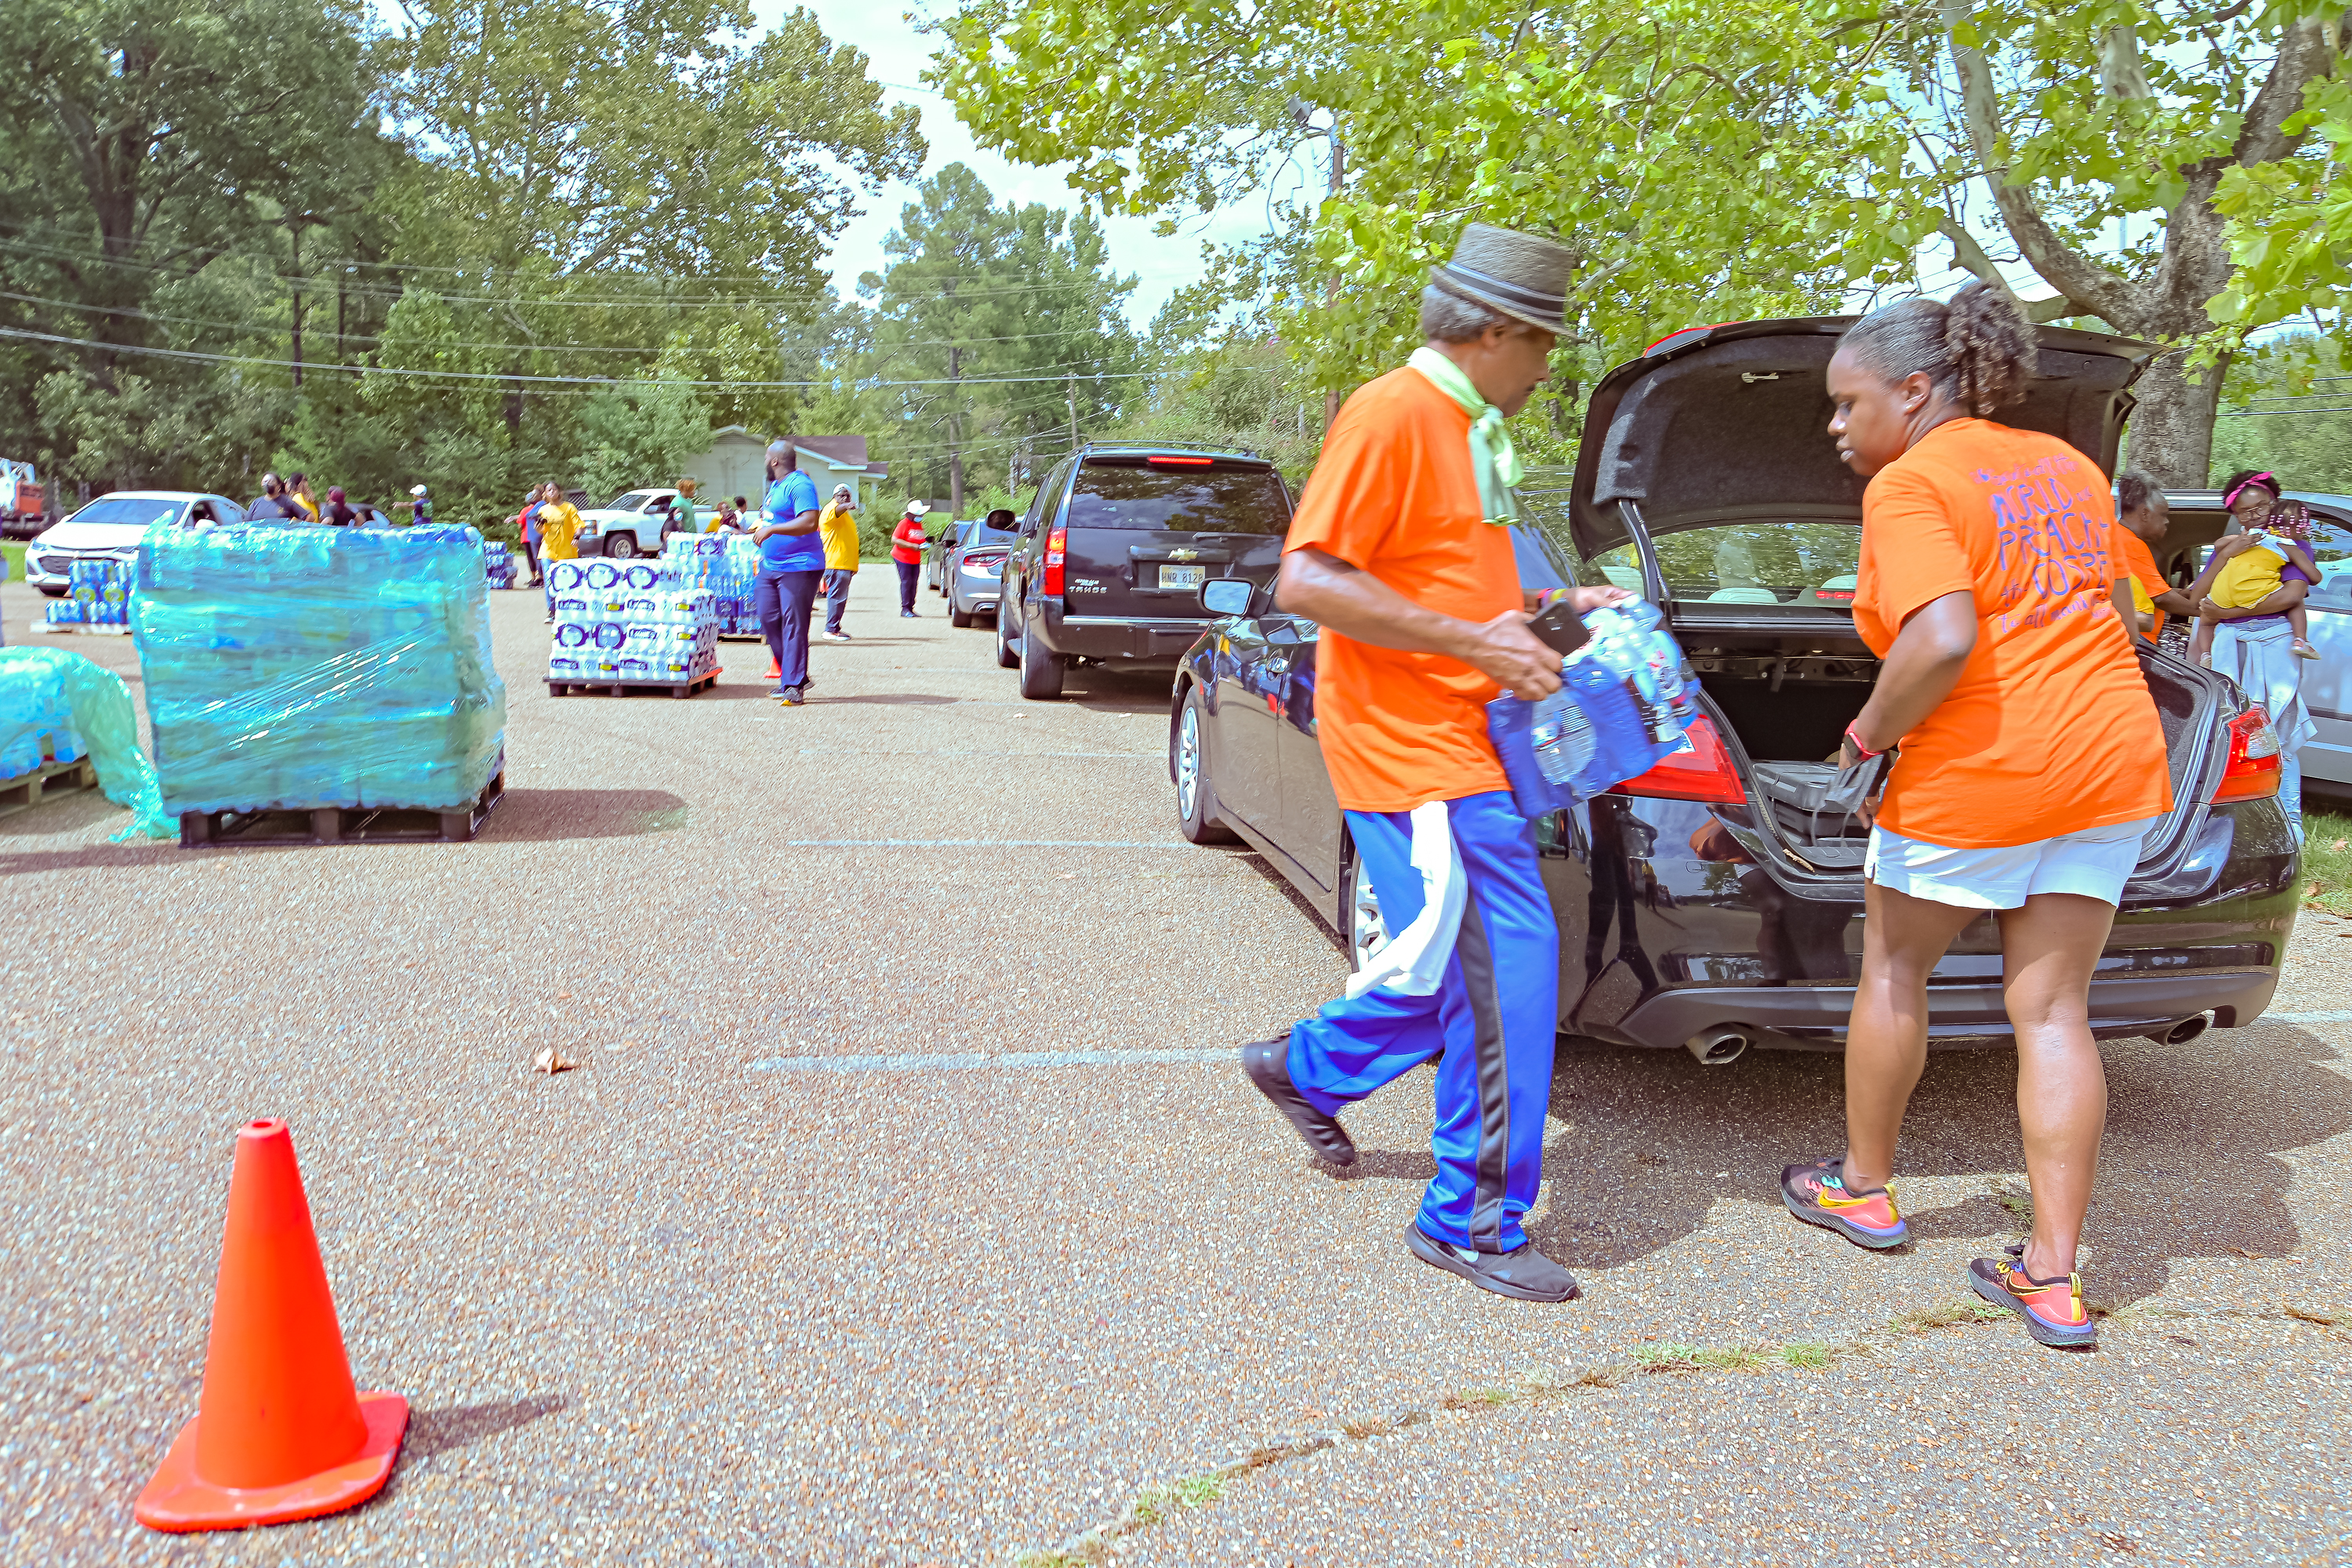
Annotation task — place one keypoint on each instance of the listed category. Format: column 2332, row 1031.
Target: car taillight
column 1704, row 772
column 1055, row 539
column 2252, row 771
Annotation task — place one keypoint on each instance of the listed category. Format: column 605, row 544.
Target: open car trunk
column 1786, row 700
column 1707, row 480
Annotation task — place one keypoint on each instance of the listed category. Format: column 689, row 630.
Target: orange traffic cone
column 281, row 1432
column 775, row 668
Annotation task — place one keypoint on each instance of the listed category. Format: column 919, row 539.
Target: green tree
column 1013, row 314
column 1725, row 159
column 148, row 146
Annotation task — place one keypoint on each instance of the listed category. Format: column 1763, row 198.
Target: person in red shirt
column 1401, row 552
column 2033, row 764
column 907, row 541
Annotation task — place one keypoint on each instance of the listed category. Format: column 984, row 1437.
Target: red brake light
column 1704, row 773
column 1055, row 539
column 1187, row 462
column 2252, row 771
column 1843, row 595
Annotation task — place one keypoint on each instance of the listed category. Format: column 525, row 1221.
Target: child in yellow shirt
column 2271, row 578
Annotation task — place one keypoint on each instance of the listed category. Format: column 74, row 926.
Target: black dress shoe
column 1526, row 1275
column 1268, row 1065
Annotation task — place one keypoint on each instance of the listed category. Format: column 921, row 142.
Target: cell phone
column 1560, row 627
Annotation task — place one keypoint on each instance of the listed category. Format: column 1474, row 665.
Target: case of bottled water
column 649, row 623
column 498, row 564
column 299, row 668
column 98, row 594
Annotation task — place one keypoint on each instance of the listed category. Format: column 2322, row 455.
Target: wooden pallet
column 340, row 824
column 57, row 628
column 634, row 687
column 24, row 793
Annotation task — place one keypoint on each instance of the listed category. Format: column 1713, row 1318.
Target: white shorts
column 2094, row 863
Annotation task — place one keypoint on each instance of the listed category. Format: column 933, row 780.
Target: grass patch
column 1804, row 1353
column 2017, row 1198
column 2327, row 860
column 1193, row 1491
column 13, row 569
column 1947, row 1315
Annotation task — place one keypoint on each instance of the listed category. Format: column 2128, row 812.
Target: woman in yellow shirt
column 558, row 524
column 837, row 526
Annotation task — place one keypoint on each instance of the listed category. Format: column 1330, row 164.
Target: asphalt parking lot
column 906, row 1205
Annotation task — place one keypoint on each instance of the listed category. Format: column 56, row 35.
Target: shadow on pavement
column 431, row 1432
column 1104, row 691
column 544, row 815
column 2189, row 1170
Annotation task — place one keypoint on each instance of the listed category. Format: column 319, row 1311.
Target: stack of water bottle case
column 37, row 722
column 637, row 623
column 98, row 595
column 305, row 668
column 498, row 564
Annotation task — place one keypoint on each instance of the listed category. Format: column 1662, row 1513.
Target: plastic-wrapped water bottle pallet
column 28, row 790
column 81, row 626
column 634, row 687
column 340, row 824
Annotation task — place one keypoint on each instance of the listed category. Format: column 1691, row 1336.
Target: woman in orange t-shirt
column 2033, row 764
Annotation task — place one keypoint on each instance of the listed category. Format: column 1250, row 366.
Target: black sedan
column 1702, row 904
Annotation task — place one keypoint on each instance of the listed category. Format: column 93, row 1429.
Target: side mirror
column 1228, row 595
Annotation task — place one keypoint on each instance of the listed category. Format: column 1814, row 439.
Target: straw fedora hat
column 1519, row 274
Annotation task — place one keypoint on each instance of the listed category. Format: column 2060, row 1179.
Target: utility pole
column 955, row 410
column 297, row 303
column 1074, row 411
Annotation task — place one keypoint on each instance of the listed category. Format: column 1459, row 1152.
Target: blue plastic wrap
column 1621, row 707
column 58, row 707
column 297, row 668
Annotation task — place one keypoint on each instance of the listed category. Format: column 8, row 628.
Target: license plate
column 1182, row 576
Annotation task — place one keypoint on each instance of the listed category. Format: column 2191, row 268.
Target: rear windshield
column 1218, row 499
column 129, row 509
column 1747, row 563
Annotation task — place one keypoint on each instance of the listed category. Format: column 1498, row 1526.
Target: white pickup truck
column 631, row 523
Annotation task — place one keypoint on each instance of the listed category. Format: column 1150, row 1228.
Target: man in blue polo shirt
column 791, row 566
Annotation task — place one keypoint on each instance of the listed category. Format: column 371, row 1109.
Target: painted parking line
column 968, row 1060
column 2305, row 1018
column 963, row 751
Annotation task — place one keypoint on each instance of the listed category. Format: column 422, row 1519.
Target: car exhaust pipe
column 1719, row 1046
column 2186, row 1030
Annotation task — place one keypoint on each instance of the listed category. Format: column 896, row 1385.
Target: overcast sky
column 899, row 53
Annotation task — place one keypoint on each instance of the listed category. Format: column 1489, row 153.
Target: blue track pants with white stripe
column 1493, row 1020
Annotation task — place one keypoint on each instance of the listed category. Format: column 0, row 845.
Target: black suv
column 1111, row 555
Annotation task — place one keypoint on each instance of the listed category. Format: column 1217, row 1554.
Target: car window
column 1051, row 487
column 133, row 510
column 2331, row 547
column 225, row 510
column 1756, row 562
column 1211, row 499
column 628, row 500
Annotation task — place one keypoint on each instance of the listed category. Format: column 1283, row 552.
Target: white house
column 736, row 465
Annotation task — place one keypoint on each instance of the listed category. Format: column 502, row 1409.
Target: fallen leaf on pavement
column 551, row 1061
column 2243, row 1253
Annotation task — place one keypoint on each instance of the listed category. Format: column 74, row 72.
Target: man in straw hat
column 1401, row 552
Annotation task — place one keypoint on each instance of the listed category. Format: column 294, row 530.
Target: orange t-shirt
column 2134, row 559
column 1395, row 495
column 2051, row 730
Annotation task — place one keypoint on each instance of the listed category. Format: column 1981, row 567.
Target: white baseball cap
column 918, row 508
column 416, row 489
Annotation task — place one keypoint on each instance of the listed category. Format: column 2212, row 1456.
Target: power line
column 320, row 281
column 588, row 381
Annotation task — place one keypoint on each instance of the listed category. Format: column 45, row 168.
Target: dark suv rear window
column 1213, row 498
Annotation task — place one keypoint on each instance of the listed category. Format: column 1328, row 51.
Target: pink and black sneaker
column 1817, row 1195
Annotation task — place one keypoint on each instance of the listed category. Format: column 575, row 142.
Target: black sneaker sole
column 1322, row 1134
column 1437, row 1256
column 2056, row 1338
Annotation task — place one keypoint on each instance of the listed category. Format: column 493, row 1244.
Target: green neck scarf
column 1492, row 457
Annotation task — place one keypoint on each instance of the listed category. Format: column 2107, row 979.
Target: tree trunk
column 2171, row 431
column 297, row 274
